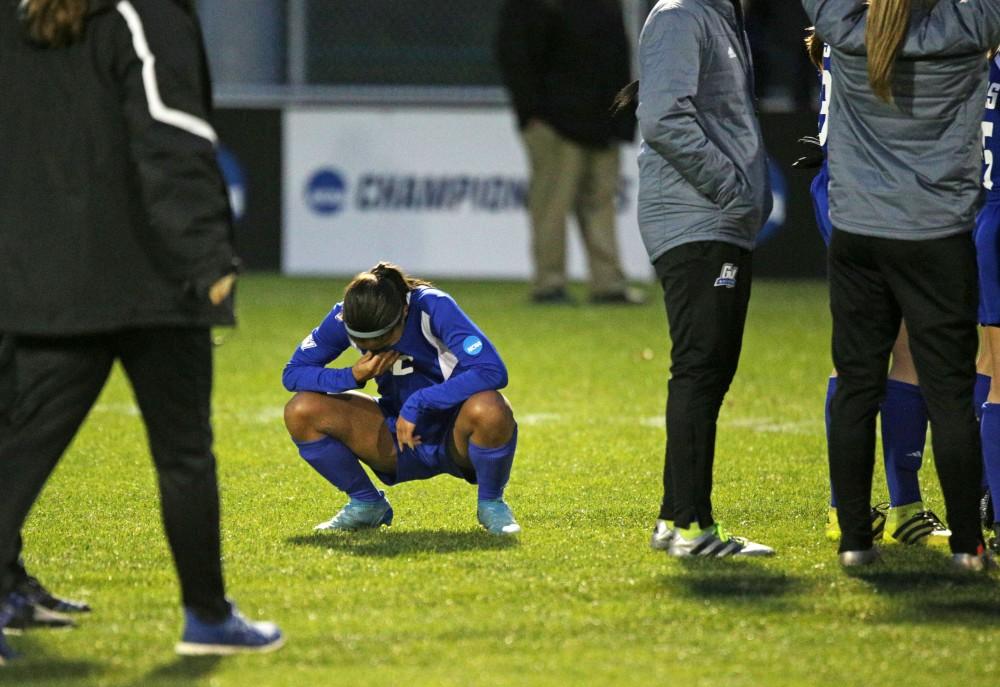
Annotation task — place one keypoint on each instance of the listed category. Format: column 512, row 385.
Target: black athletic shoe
column 38, row 595
column 35, row 616
column 552, row 297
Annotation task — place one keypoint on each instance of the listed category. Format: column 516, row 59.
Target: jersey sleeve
column 308, row 371
column 166, row 99
column 477, row 365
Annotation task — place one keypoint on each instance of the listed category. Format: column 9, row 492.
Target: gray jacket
column 702, row 165
column 911, row 169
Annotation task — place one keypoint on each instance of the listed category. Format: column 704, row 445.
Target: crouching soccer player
column 439, row 410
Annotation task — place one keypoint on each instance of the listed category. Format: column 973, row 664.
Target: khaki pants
column 568, row 177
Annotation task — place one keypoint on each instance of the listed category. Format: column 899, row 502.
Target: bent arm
column 520, row 51
column 669, row 68
column 166, row 101
column 476, row 364
column 307, row 370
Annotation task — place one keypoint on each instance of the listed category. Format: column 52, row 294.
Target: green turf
column 581, row 599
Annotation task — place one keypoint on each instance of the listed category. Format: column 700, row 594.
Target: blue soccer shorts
column 431, row 458
column 987, row 238
column 821, row 203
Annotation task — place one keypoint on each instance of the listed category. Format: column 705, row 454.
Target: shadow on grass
column 390, row 544
column 185, row 670
column 925, row 588
column 37, row 670
column 731, row 579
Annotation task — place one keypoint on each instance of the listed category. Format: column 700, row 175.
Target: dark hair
column 54, row 23
column 375, row 299
column 627, row 99
column 814, row 46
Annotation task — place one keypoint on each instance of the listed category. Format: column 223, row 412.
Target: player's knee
column 300, row 415
column 489, row 413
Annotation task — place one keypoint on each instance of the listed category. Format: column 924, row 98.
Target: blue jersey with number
column 826, row 83
column 821, row 182
column 991, row 130
column 444, row 359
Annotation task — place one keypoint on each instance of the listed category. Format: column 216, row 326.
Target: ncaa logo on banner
column 326, row 192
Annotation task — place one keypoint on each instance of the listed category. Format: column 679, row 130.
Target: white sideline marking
column 268, row 415
column 127, row 409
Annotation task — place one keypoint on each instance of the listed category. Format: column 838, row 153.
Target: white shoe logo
column 732, row 53
column 727, row 277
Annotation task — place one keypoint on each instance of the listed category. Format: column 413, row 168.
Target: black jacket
column 563, row 62
column 113, row 212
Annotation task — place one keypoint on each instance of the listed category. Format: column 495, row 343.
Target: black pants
column 47, row 387
column 933, row 286
column 706, row 291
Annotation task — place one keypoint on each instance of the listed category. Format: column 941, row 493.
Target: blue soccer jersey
column 991, row 130
column 444, row 359
column 820, row 184
column 826, row 84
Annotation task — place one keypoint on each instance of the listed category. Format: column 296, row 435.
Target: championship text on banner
column 442, row 192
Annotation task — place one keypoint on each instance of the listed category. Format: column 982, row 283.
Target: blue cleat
column 497, row 517
column 359, row 515
column 234, row 635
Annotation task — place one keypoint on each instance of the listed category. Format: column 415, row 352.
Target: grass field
column 579, row 600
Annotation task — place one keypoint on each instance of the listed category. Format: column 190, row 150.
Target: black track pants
column 933, row 286
column 706, row 291
column 47, row 387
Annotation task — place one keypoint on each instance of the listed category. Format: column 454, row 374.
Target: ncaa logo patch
column 472, row 345
column 727, row 277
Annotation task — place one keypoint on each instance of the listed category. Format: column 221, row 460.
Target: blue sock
column 981, row 393
column 831, row 386
column 904, row 432
column 492, row 467
column 990, row 430
column 340, row 467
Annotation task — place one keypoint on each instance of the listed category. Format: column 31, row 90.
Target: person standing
column 903, row 412
column 115, row 244
column 704, row 194
column 563, row 61
column 905, row 169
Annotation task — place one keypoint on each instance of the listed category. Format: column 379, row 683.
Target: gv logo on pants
column 727, row 277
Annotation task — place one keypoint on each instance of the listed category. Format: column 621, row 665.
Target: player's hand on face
column 371, row 365
column 405, row 433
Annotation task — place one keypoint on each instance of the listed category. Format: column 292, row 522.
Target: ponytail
column 888, row 26
column 814, row 46
column 53, row 23
column 374, row 300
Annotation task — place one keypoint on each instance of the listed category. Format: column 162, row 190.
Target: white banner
column 439, row 191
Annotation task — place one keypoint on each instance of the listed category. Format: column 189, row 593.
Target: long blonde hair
column 888, row 26
column 54, row 23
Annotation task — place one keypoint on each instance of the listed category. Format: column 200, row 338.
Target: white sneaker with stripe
column 715, row 542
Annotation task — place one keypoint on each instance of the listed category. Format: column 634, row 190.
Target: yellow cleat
column 832, row 529
column 911, row 524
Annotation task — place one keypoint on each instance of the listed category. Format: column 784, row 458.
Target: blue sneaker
column 9, row 609
column 359, row 515
column 234, row 635
column 497, row 517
